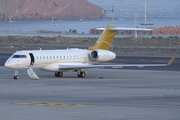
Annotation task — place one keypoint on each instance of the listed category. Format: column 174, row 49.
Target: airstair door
column 32, row 58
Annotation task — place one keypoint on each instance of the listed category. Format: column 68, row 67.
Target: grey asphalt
column 117, row 94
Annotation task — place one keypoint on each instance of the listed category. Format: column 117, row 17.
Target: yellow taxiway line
column 54, row 104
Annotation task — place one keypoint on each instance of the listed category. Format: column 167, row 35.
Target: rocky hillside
column 44, row 9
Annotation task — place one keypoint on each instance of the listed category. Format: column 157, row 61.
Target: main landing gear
column 58, row 74
column 16, row 75
column 81, row 74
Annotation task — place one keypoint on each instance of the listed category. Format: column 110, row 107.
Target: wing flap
column 106, row 66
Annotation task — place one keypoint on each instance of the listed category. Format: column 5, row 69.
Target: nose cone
column 6, row 64
column 9, row 64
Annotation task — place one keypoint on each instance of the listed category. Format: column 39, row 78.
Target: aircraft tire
column 82, row 75
column 58, row 74
column 79, row 75
column 16, row 77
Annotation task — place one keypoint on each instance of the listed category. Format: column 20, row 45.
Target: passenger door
column 32, row 58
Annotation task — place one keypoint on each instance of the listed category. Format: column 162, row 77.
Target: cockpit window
column 19, row 56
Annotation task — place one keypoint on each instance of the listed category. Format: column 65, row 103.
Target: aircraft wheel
column 58, row 74
column 16, row 77
column 82, row 75
column 79, row 75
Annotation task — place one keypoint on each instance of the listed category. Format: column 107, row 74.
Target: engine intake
column 94, row 55
column 102, row 55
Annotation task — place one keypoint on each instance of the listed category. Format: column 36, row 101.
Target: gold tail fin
column 105, row 40
column 171, row 61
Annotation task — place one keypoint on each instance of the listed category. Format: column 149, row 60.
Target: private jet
column 73, row 59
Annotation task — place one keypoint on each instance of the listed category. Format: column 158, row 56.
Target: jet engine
column 102, row 55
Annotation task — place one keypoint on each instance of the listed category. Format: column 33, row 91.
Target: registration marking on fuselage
column 54, row 104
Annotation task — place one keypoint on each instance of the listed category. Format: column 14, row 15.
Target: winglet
column 171, row 61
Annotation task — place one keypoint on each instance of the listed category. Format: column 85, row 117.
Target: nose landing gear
column 16, row 75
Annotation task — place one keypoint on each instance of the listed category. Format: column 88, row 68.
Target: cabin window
column 37, row 58
column 60, row 57
column 44, row 57
column 64, row 57
column 47, row 57
column 40, row 57
column 57, row 57
column 53, row 57
column 70, row 57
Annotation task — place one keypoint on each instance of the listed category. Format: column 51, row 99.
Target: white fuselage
column 52, row 60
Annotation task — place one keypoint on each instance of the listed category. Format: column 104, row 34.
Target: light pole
column 136, row 22
column 10, row 17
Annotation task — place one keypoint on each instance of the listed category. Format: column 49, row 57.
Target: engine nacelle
column 102, row 55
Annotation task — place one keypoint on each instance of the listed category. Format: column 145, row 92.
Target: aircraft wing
column 113, row 66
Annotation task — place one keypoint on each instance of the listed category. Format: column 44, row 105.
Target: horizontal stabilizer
column 138, row 29
column 121, row 28
column 105, row 40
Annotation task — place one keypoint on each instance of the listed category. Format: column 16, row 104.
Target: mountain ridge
column 24, row 10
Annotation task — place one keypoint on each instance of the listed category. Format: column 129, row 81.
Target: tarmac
column 105, row 94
